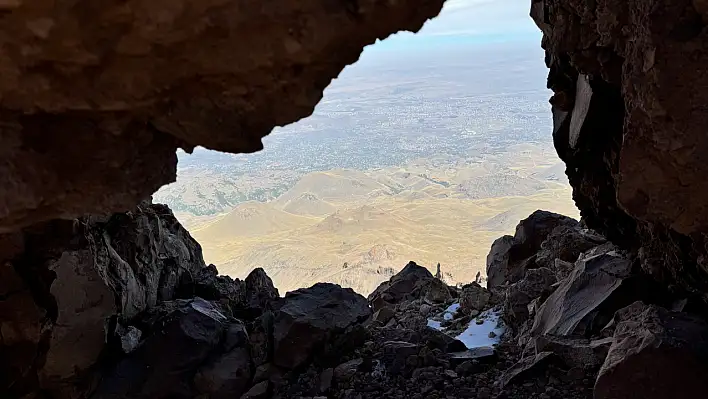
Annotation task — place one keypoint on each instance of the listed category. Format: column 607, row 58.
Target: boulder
column 143, row 255
column 226, row 376
column 566, row 242
column 309, row 318
column 410, row 283
column 474, row 297
column 345, row 371
column 532, row 232
column 574, row 351
column 525, row 366
column 260, row 290
column 182, row 337
column 208, row 284
column 258, row 391
column 437, row 292
column 383, row 315
column 595, row 278
column 536, row 285
column 498, row 261
column 510, row 257
column 655, row 353
column 395, row 355
column 261, row 339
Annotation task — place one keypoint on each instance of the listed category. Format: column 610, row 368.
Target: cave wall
column 96, row 95
column 629, row 81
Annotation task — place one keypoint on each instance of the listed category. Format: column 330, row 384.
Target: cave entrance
column 428, row 148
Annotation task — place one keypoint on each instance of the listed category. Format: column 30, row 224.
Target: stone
column 260, row 290
column 566, row 243
column 524, row 367
column 536, row 285
column 267, row 372
column 498, row 261
column 435, row 339
column 310, row 317
column 437, row 292
column 227, row 376
column 474, row 297
column 325, row 380
column 655, row 354
column 261, row 339
column 395, row 355
column 510, row 257
column 183, row 336
column 258, row 391
column 55, row 124
column 575, row 352
column 129, row 338
column 84, row 304
column 383, row 315
column 592, row 282
column 345, row 371
column 410, row 283
column 143, row 254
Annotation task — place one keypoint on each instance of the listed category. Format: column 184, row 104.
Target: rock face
column 631, row 135
column 655, row 354
column 511, row 256
column 411, row 282
column 592, row 282
column 124, row 107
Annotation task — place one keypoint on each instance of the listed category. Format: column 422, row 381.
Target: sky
column 470, row 21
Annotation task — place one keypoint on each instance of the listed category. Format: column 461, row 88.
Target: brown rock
column 136, row 89
column 524, row 367
column 592, row 282
column 655, row 354
column 258, row 391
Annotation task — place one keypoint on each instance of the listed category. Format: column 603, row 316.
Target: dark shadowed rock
column 260, row 290
column 437, row 292
column 656, row 353
column 396, row 353
column 475, row 297
column 258, row 391
column 227, row 376
column 536, row 284
column 498, row 261
column 310, row 317
column 183, row 335
column 261, row 337
column 410, row 283
column 525, row 366
column 208, row 284
column 592, row 282
column 345, row 371
column 510, row 257
column 566, row 242
column 533, row 231
column 575, row 352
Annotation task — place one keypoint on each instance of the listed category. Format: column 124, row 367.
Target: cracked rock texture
column 120, row 85
column 634, row 141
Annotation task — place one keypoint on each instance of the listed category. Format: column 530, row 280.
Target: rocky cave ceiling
column 95, row 96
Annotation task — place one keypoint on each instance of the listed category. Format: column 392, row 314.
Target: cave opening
column 428, row 148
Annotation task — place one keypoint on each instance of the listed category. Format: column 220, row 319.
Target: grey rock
column 258, row 391
column 310, row 318
column 575, row 352
column 410, row 283
column 345, row 371
column 536, row 285
column 525, row 366
column 592, row 282
column 474, row 297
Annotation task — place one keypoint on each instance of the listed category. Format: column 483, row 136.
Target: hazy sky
column 472, row 21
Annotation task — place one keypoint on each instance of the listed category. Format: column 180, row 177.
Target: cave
column 96, row 97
